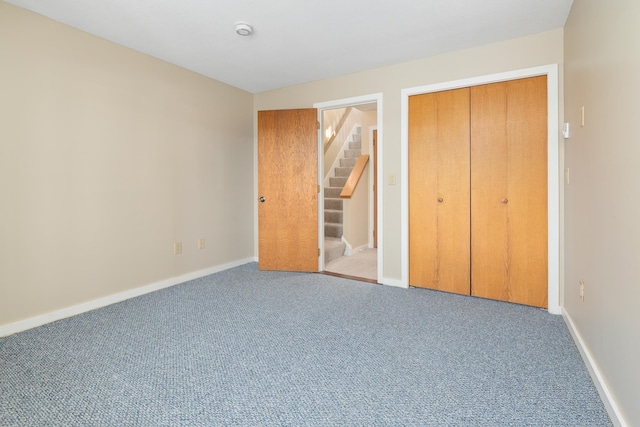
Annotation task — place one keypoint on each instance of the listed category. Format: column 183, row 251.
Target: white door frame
column 371, row 179
column 341, row 103
column 553, row 167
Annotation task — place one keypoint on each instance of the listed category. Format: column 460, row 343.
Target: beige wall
column 368, row 121
column 356, row 215
column 602, row 200
column 532, row 51
column 107, row 157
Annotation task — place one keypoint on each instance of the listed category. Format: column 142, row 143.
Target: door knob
column 261, row 199
column 440, row 200
column 505, row 201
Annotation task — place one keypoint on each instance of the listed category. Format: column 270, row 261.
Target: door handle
column 261, row 199
column 440, row 200
column 505, row 201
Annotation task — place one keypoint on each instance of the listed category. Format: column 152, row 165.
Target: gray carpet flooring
column 250, row 348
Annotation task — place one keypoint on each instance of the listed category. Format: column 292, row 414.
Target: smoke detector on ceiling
column 243, row 29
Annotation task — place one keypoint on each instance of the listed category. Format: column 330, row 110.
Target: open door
column 288, row 190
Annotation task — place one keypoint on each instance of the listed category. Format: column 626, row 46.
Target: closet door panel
column 490, row 252
column 509, row 191
column 527, row 133
column 439, row 230
column 423, row 131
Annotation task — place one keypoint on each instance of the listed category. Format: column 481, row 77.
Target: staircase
column 333, row 245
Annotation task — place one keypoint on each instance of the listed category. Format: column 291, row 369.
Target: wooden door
column 439, row 240
column 509, row 191
column 288, row 190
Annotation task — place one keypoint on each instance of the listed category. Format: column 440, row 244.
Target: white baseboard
column 392, row 282
column 349, row 251
column 603, row 390
column 43, row 319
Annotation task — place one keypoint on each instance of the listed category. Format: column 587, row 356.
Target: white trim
column 43, row 319
column 371, row 178
column 346, row 102
column 553, row 191
column 392, row 282
column 348, row 251
column 321, row 192
column 603, row 390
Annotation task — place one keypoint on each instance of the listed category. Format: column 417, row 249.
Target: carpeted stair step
column 333, row 204
column 355, row 153
column 332, row 192
column 343, row 171
column 348, row 163
column 333, row 249
column 339, row 181
column 333, row 216
column 355, row 145
column 332, row 230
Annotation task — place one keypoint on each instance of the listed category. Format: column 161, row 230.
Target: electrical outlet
column 177, row 248
column 581, row 290
column 201, row 244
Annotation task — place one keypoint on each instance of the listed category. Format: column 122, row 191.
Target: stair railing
column 329, row 141
column 354, row 177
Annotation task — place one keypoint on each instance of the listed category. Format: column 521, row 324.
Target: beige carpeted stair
column 333, row 245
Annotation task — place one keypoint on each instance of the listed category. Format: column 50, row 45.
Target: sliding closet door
column 509, row 191
column 439, row 191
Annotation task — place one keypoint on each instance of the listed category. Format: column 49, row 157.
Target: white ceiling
column 297, row 41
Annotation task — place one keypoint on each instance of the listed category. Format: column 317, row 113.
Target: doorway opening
column 348, row 207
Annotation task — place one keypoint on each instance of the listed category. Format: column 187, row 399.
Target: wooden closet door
column 439, row 191
column 509, row 191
